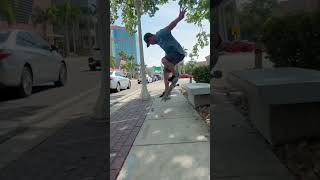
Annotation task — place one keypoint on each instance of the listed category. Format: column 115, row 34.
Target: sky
column 184, row 33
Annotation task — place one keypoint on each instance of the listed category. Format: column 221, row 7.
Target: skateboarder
column 174, row 51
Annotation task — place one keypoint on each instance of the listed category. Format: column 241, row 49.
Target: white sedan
column 27, row 60
column 119, row 81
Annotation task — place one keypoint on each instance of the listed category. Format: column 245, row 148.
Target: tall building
column 121, row 40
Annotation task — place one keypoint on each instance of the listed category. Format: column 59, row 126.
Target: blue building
column 121, row 40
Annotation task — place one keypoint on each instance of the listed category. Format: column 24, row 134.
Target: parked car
column 182, row 76
column 27, row 60
column 156, row 77
column 94, row 59
column 148, row 79
column 119, row 81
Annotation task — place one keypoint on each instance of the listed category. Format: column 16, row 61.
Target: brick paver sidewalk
column 124, row 127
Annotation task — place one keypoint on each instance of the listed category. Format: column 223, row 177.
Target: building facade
column 23, row 11
column 121, row 40
column 86, row 28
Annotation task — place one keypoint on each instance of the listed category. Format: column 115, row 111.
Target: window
column 40, row 43
column 25, row 39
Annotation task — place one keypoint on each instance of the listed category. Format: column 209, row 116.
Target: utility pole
column 144, row 91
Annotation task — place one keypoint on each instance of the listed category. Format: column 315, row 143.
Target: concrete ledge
column 289, row 93
column 198, row 88
column 198, row 93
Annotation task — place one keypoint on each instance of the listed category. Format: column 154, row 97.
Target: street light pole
column 144, row 91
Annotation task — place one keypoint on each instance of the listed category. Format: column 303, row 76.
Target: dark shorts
column 174, row 58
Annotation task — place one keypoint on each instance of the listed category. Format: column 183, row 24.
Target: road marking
column 16, row 146
column 46, row 112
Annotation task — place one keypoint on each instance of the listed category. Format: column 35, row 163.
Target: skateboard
column 168, row 92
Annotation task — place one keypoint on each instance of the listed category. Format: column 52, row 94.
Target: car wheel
column 118, row 88
column 25, row 88
column 93, row 68
column 129, row 85
column 63, row 76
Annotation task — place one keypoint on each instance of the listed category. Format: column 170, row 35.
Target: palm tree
column 63, row 19
column 7, row 9
column 43, row 17
column 87, row 20
column 75, row 14
column 113, row 63
column 130, row 65
column 123, row 57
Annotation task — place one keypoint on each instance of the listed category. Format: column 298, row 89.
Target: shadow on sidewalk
column 76, row 151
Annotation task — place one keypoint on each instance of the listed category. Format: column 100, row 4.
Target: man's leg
column 166, row 79
column 169, row 65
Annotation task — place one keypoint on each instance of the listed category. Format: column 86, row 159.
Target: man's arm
column 174, row 23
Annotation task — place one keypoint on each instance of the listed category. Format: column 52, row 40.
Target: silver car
column 27, row 60
column 119, row 81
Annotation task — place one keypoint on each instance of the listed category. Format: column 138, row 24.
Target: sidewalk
column 240, row 152
column 173, row 142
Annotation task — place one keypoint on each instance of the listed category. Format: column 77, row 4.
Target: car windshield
column 4, row 36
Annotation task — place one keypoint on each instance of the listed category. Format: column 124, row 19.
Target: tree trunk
column 144, row 91
column 74, row 39
column 45, row 35
column 67, row 40
column 89, row 34
column 103, row 33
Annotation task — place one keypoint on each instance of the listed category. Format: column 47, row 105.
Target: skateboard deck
column 168, row 92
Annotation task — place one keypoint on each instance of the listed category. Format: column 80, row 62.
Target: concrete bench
column 284, row 103
column 198, row 93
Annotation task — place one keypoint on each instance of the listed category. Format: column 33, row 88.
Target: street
column 47, row 100
column 122, row 94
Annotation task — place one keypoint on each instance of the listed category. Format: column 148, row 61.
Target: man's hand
column 179, row 18
column 182, row 13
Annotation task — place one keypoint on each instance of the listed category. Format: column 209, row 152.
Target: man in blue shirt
column 174, row 51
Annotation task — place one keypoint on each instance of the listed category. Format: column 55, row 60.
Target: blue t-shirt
column 168, row 43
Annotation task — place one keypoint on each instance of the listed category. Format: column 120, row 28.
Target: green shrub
column 201, row 74
column 293, row 40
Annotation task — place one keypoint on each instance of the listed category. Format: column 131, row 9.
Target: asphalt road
column 80, row 80
column 114, row 96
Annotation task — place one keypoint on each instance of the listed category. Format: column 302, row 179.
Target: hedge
column 201, row 74
column 293, row 40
